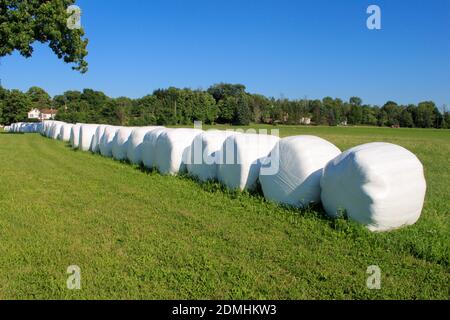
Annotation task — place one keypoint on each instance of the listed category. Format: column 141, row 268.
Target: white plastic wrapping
column 241, row 159
column 75, row 135
column 44, row 128
column 64, row 133
column 48, row 130
column 297, row 180
column 47, row 127
column 149, row 147
column 38, row 127
column 171, row 150
column 24, row 127
column 204, row 154
column 106, row 141
column 119, row 144
column 55, row 129
column 87, row 132
column 380, row 185
column 95, row 146
column 135, row 144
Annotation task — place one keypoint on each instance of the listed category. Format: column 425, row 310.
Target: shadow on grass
column 289, row 213
column 11, row 133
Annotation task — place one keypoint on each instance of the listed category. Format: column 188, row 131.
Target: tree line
column 221, row 103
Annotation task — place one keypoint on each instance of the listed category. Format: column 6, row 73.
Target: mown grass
column 137, row 234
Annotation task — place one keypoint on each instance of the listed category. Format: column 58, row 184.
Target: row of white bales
column 380, row 185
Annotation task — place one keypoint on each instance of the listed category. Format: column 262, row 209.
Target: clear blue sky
column 278, row 48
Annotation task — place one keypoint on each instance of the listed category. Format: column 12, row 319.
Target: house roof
column 49, row 111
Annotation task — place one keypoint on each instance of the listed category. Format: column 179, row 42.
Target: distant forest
column 221, row 103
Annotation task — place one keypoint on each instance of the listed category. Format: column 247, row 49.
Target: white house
column 48, row 114
column 34, row 114
column 44, row 114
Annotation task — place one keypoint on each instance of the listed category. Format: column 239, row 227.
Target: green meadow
column 138, row 235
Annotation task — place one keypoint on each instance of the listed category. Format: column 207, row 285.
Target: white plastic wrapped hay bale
column 95, row 146
column 7, row 128
column 38, row 127
column 119, row 144
column 55, row 129
column 64, row 133
column 48, row 128
column 204, row 154
column 31, row 127
column 21, row 127
column 51, row 129
column 25, row 128
column 44, row 129
column 380, row 185
column 16, row 127
column 87, row 132
column 241, row 157
column 171, row 150
column 300, row 162
column 149, row 147
column 135, row 144
column 75, row 135
column 106, row 141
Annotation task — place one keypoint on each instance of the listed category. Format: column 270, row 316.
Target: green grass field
column 137, row 234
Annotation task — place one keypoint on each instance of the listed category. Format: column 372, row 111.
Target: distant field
column 137, row 235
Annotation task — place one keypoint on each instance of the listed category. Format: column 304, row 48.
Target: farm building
column 43, row 114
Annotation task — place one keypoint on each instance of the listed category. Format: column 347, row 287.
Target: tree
column 242, row 111
column 369, row 115
column 22, row 23
column 355, row 111
column 317, row 111
column 426, row 114
column 382, row 118
column 406, row 119
column 355, row 101
column 222, row 90
column 444, row 124
column 39, row 98
column 392, row 111
column 3, row 93
column 257, row 104
column 15, row 107
column 227, row 107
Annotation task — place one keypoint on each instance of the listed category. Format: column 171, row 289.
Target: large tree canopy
column 24, row 22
